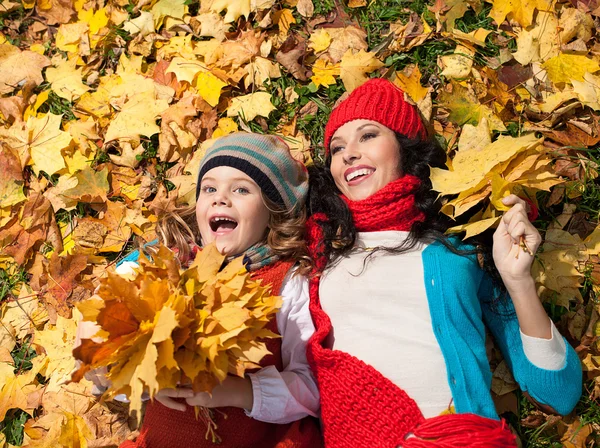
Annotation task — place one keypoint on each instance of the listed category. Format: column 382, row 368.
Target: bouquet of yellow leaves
column 163, row 326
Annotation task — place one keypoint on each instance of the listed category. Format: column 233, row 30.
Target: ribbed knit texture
column 266, row 159
column 391, row 208
column 381, row 101
column 167, row 428
column 360, row 407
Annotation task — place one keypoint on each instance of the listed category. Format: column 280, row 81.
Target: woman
column 400, row 310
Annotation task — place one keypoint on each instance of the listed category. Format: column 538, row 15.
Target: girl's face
column 230, row 210
column 365, row 157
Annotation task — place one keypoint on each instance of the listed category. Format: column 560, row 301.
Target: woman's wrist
column 521, row 288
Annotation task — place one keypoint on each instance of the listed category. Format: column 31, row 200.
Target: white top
column 381, row 316
column 282, row 397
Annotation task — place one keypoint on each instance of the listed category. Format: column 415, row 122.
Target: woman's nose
column 351, row 153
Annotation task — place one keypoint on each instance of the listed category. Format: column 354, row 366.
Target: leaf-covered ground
column 106, row 107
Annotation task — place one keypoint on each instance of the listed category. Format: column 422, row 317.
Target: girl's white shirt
column 380, row 314
column 289, row 395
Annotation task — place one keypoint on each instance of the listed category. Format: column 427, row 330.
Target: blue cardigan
column 459, row 295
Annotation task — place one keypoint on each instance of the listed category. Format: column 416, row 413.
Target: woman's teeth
column 357, row 173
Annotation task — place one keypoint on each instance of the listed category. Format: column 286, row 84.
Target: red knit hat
column 381, row 101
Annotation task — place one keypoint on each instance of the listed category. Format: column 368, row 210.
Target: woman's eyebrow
column 360, row 128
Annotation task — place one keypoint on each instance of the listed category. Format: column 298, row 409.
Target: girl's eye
column 208, row 189
column 242, row 190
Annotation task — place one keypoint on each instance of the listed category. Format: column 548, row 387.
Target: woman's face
column 230, row 210
column 365, row 157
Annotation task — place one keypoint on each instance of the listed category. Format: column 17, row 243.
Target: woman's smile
column 365, row 157
column 358, row 174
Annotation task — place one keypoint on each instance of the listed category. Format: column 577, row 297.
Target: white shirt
column 380, row 314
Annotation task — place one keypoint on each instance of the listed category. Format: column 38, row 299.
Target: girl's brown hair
column 178, row 229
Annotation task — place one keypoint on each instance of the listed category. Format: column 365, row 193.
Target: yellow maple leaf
column 464, row 107
column 324, row 73
column 219, row 314
column 39, row 140
column 24, row 314
column 565, row 67
column 319, row 40
column 540, row 42
column 519, row 10
column 588, row 90
column 284, row 20
column 91, row 187
column 14, row 388
column 69, row 36
column 470, row 167
column 137, row 117
column 66, row 79
column 186, row 69
column 225, row 126
column 57, row 342
column 344, row 39
column 18, row 67
column 209, row 87
column 354, row 68
column 11, row 193
column 95, row 19
column 259, row 71
column 250, row 106
column 411, row 84
column 168, row 8
column 476, row 37
column 235, row 9
column 474, row 228
column 459, row 64
column 143, row 24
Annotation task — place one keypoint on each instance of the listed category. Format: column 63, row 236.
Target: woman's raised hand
column 515, row 242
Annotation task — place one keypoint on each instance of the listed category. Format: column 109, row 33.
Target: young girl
column 399, row 308
column 251, row 202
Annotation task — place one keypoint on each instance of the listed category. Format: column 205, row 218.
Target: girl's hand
column 167, row 397
column 234, row 391
column 515, row 242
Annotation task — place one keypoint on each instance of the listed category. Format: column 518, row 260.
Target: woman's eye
column 336, row 149
column 242, row 190
column 368, row 135
column 208, row 189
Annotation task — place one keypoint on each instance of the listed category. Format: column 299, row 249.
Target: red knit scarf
column 391, row 208
column 359, row 406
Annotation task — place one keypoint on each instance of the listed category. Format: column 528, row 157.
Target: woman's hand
column 234, row 391
column 515, row 242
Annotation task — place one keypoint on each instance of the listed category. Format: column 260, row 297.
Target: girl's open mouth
column 222, row 225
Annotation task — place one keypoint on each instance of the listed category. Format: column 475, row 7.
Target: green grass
column 9, row 282
column 12, row 426
column 376, row 17
column 57, row 106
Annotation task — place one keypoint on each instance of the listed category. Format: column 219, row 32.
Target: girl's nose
column 221, row 198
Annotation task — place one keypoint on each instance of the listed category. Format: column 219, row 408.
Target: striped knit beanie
column 381, row 101
column 266, row 159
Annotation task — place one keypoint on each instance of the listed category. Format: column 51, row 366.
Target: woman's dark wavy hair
column 416, row 158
